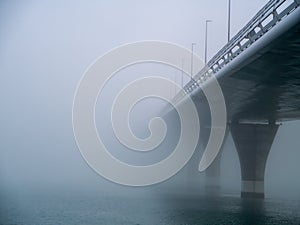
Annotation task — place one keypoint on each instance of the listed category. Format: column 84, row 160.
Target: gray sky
column 45, row 46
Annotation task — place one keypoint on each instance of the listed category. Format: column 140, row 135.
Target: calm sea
column 92, row 210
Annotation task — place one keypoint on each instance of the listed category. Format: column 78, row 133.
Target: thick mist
column 45, row 47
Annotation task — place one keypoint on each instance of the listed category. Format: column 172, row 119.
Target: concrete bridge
column 259, row 73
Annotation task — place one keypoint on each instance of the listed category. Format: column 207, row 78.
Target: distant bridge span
column 259, row 73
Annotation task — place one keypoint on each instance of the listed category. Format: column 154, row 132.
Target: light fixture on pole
column 192, row 59
column 229, row 18
column 182, row 73
column 205, row 54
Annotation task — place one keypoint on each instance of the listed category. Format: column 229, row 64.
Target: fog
column 45, row 47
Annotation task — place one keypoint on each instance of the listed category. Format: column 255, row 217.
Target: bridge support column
column 213, row 172
column 212, row 177
column 253, row 143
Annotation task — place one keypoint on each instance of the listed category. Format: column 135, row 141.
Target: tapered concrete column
column 213, row 173
column 212, row 177
column 253, row 143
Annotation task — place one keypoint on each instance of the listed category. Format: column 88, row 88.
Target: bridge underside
column 268, row 87
column 263, row 87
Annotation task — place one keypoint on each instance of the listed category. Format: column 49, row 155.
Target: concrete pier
column 212, row 177
column 253, row 143
column 213, row 173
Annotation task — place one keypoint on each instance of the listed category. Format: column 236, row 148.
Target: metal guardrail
column 261, row 23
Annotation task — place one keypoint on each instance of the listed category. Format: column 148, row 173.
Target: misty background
column 45, row 47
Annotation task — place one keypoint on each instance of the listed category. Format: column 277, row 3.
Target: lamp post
column 192, row 59
column 205, row 54
column 182, row 73
column 229, row 15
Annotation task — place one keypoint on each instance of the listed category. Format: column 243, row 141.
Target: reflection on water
column 252, row 211
column 92, row 210
column 233, row 210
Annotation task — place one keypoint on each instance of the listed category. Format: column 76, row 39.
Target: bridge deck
column 259, row 71
column 269, row 86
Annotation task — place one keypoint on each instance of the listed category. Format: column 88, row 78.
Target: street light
column 229, row 15
column 229, row 23
column 205, row 55
column 192, row 59
column 182, row 73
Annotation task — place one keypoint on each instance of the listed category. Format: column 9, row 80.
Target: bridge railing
column 261, row 23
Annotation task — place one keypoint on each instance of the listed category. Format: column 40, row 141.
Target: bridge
column 259, row 73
